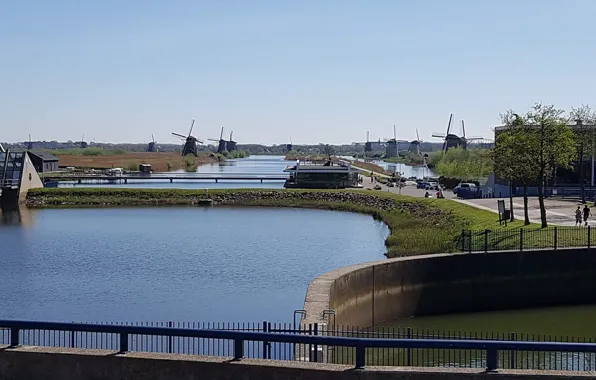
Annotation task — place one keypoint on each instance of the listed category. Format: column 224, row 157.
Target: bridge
column 62, row 348
column 180, row 177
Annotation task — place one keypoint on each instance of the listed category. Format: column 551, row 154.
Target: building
column 43, row 162
column 326, row 176
column 17, row 176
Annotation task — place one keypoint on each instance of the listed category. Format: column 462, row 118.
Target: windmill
column 367, row 144
column 190, row 142
column 451, row 140
column 414, row 147
column 466, row 140
column 152, row 147
column 289, row 146
column 391, row 146
column 83, row 144
column 231, row 144
column 221, row 147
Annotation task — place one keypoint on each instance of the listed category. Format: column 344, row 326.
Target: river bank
column 418, row 226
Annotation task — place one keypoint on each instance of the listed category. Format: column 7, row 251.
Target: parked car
column 464, row 185
column 432, row 186
column 421, row 185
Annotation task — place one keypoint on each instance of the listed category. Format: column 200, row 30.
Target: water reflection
column 17, row 216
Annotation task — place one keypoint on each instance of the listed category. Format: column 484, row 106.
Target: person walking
column 587, row 214
column 578, row 216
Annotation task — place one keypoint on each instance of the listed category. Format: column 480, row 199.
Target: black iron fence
column 526, row 238
column 438, row 352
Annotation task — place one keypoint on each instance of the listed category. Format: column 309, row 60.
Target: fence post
column 409, row 358
column 238, row 349
column 492, row 360
column 360, row 357
column 486, row 240
column 521, row 239
column 265, row 344
column 72, row 339
column 556, row 237
column 512, row 356
column 14, row 337
column 589, row 236
column 170, row 339
column 463, row 240
column 315, row 351
column 470, row 241
column 123, row 343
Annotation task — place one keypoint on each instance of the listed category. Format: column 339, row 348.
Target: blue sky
column 315, row 70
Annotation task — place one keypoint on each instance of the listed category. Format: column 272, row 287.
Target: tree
column 329, row 151
column 512, row 156
column 552, row 146
column 584, row 119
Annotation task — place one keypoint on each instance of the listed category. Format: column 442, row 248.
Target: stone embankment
column 101, row 197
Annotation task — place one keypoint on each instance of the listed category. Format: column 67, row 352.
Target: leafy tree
column 329, row 151
column 584, row 118
column 512, row 156
column 552, row 145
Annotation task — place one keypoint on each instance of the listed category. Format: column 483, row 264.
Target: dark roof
column 43, row 155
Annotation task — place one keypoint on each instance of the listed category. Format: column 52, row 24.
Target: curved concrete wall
column 381, row 291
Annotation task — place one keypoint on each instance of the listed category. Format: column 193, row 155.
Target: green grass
column 418, row 225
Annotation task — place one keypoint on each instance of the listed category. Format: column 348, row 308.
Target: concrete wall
column 378, row 292
column 36, row 363
column 29, row 179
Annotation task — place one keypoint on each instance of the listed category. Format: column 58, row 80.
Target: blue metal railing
column 360, row 345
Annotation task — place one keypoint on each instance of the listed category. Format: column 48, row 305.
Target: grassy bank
column 418, row 226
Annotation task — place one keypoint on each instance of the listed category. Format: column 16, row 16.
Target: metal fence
column 410, row 347
column 526, row 238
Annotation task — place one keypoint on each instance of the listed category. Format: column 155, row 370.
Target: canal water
column 253, row 165
column 560, row 322
column 174, row 263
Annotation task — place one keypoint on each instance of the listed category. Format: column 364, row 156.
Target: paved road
column 559, row 212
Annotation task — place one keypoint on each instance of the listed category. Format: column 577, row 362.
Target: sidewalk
column 558, row 212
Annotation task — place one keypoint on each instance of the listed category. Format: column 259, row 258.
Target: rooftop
column 44, row 155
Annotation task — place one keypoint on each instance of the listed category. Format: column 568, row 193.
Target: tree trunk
column 582, row 187
column 541, row 203
column 511, row 218
column 526, row 213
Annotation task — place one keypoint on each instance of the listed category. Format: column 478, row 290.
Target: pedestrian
column 578, row 216
column 587, row 213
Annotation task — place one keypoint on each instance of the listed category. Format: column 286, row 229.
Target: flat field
column 160, row 161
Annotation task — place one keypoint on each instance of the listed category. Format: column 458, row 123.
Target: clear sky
column 315, row 70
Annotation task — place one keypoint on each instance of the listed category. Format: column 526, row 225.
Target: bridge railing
column 488, row 353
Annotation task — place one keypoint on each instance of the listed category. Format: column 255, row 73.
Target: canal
column 253, row 165
column 174, row 263
column 560, row 322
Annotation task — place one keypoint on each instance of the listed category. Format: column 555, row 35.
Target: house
column 43, row 162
